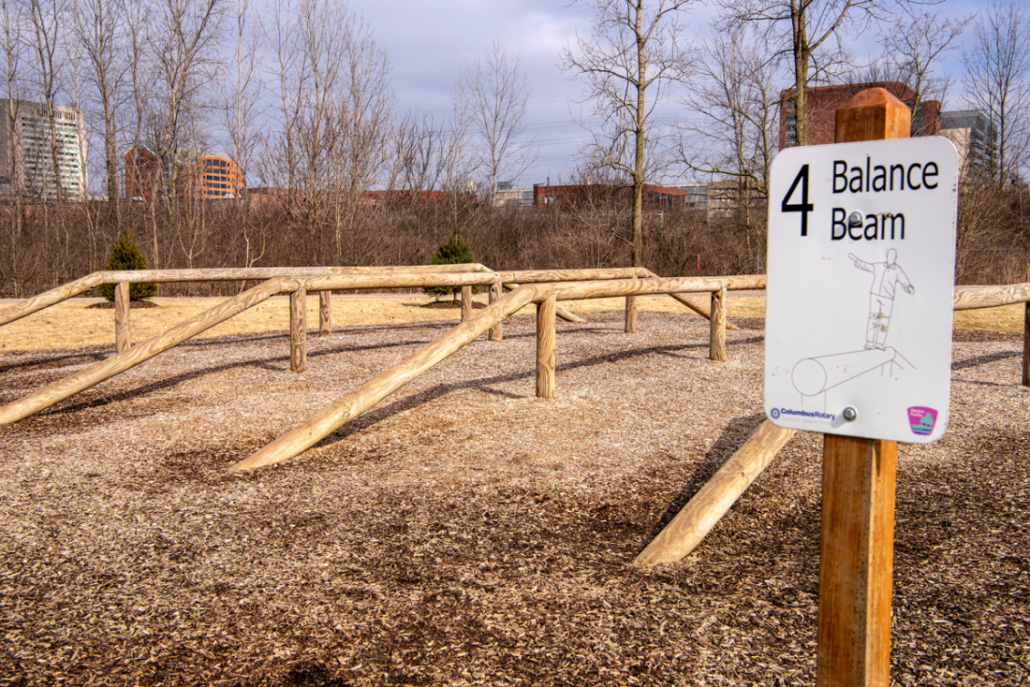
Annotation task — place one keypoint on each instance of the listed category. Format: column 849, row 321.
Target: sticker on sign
column 861, row 277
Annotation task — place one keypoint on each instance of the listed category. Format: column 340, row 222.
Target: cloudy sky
column 428, row 42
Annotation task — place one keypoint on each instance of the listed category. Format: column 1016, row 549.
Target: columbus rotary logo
column 775, row 413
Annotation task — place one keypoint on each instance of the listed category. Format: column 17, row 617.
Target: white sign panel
column 859, row 297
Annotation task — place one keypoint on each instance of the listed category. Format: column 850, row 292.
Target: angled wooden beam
column 716, row 497
column 84, row 379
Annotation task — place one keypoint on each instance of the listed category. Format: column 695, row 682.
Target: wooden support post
column 122, row 326
column 325, row 313
column 855, row 562
column 466, row 303
column 717, row 328
column 545, row 347
column 298, row 331
column 857, row 539
column 496, row 332
column 631, row 314
column 708, row 505
column 1026, row 344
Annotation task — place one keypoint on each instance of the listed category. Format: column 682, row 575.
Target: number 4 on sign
column 804, row 207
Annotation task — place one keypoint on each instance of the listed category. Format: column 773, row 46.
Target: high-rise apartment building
column 28, row 147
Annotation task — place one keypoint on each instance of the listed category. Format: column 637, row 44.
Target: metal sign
column 861, row 278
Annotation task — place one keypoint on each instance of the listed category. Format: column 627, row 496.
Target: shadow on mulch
column 447, row 305
column 109, row 305
column 738, row 431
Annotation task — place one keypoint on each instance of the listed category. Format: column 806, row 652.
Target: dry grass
column 75, row 324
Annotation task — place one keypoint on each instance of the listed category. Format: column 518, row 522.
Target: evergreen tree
column 453, row 251
column 126, row 255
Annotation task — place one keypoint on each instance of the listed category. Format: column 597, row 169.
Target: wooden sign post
column 857, row 540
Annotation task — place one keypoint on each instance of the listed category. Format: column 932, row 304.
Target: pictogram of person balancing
column 887, row 276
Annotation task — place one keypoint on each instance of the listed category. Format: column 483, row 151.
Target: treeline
column 48, row 245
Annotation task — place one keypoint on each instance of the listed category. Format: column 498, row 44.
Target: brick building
column 824, row 101
column 655, row 197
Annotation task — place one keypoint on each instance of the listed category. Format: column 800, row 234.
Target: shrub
column 126, row 255
column 454, row 251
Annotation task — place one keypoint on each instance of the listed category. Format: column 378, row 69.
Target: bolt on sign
column 861, row 278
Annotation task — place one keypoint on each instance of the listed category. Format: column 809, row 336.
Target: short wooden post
column 717, row 327
column 122, row 327
column 857, row 539
column 325, row 313
column 631, row 314
column 545, row 347
column 496, row 333
column 298, row 330
column 1026, row 344
column 855, row 561
column 466, row 303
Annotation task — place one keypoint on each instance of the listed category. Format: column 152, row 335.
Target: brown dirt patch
column 464, row 532
column 109, row 305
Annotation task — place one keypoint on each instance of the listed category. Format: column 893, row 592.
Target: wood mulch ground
column 466, row 533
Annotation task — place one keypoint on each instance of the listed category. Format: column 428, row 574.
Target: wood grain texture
column 855, row 562
column 857, row 535
column 566, row 291
column 382, row 385
column 122, row 326
column 559, row 311
column 325, row 313
column 693, row 523
column 976, row 297
column 631, row 314
column 696, row 305
column 872, row 115
column 497, row 331
column 551, row 276
column 392, row 280
column 1026, row 344
column 717, row 327
column 466, row 303
column 298, row 331
column 18, row 310
column 546, row 347
column 84, row 379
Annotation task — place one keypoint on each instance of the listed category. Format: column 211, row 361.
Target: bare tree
column 98, row 28
column 498, row 93
column 732, row 137
column 913, row 49
column 809, row 28
column 998, row 84
column 634, row 51
column 47, row 22
column 185, row 34
column 13, row 17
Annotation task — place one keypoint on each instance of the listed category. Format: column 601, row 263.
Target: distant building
column 973, row 136
column 200, row 176
column 29, row 145
column 824, row 101
column 655, row 197
column 513, row 197
column 212, row 176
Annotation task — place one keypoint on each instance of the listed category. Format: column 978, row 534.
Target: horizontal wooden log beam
column 397, row 280
column 328, row 420
column 640, row 287
column 547, row 276
column 558, row 311
column 263, row 273
column 975, row 297
column 697, row 306
column 84, row 379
